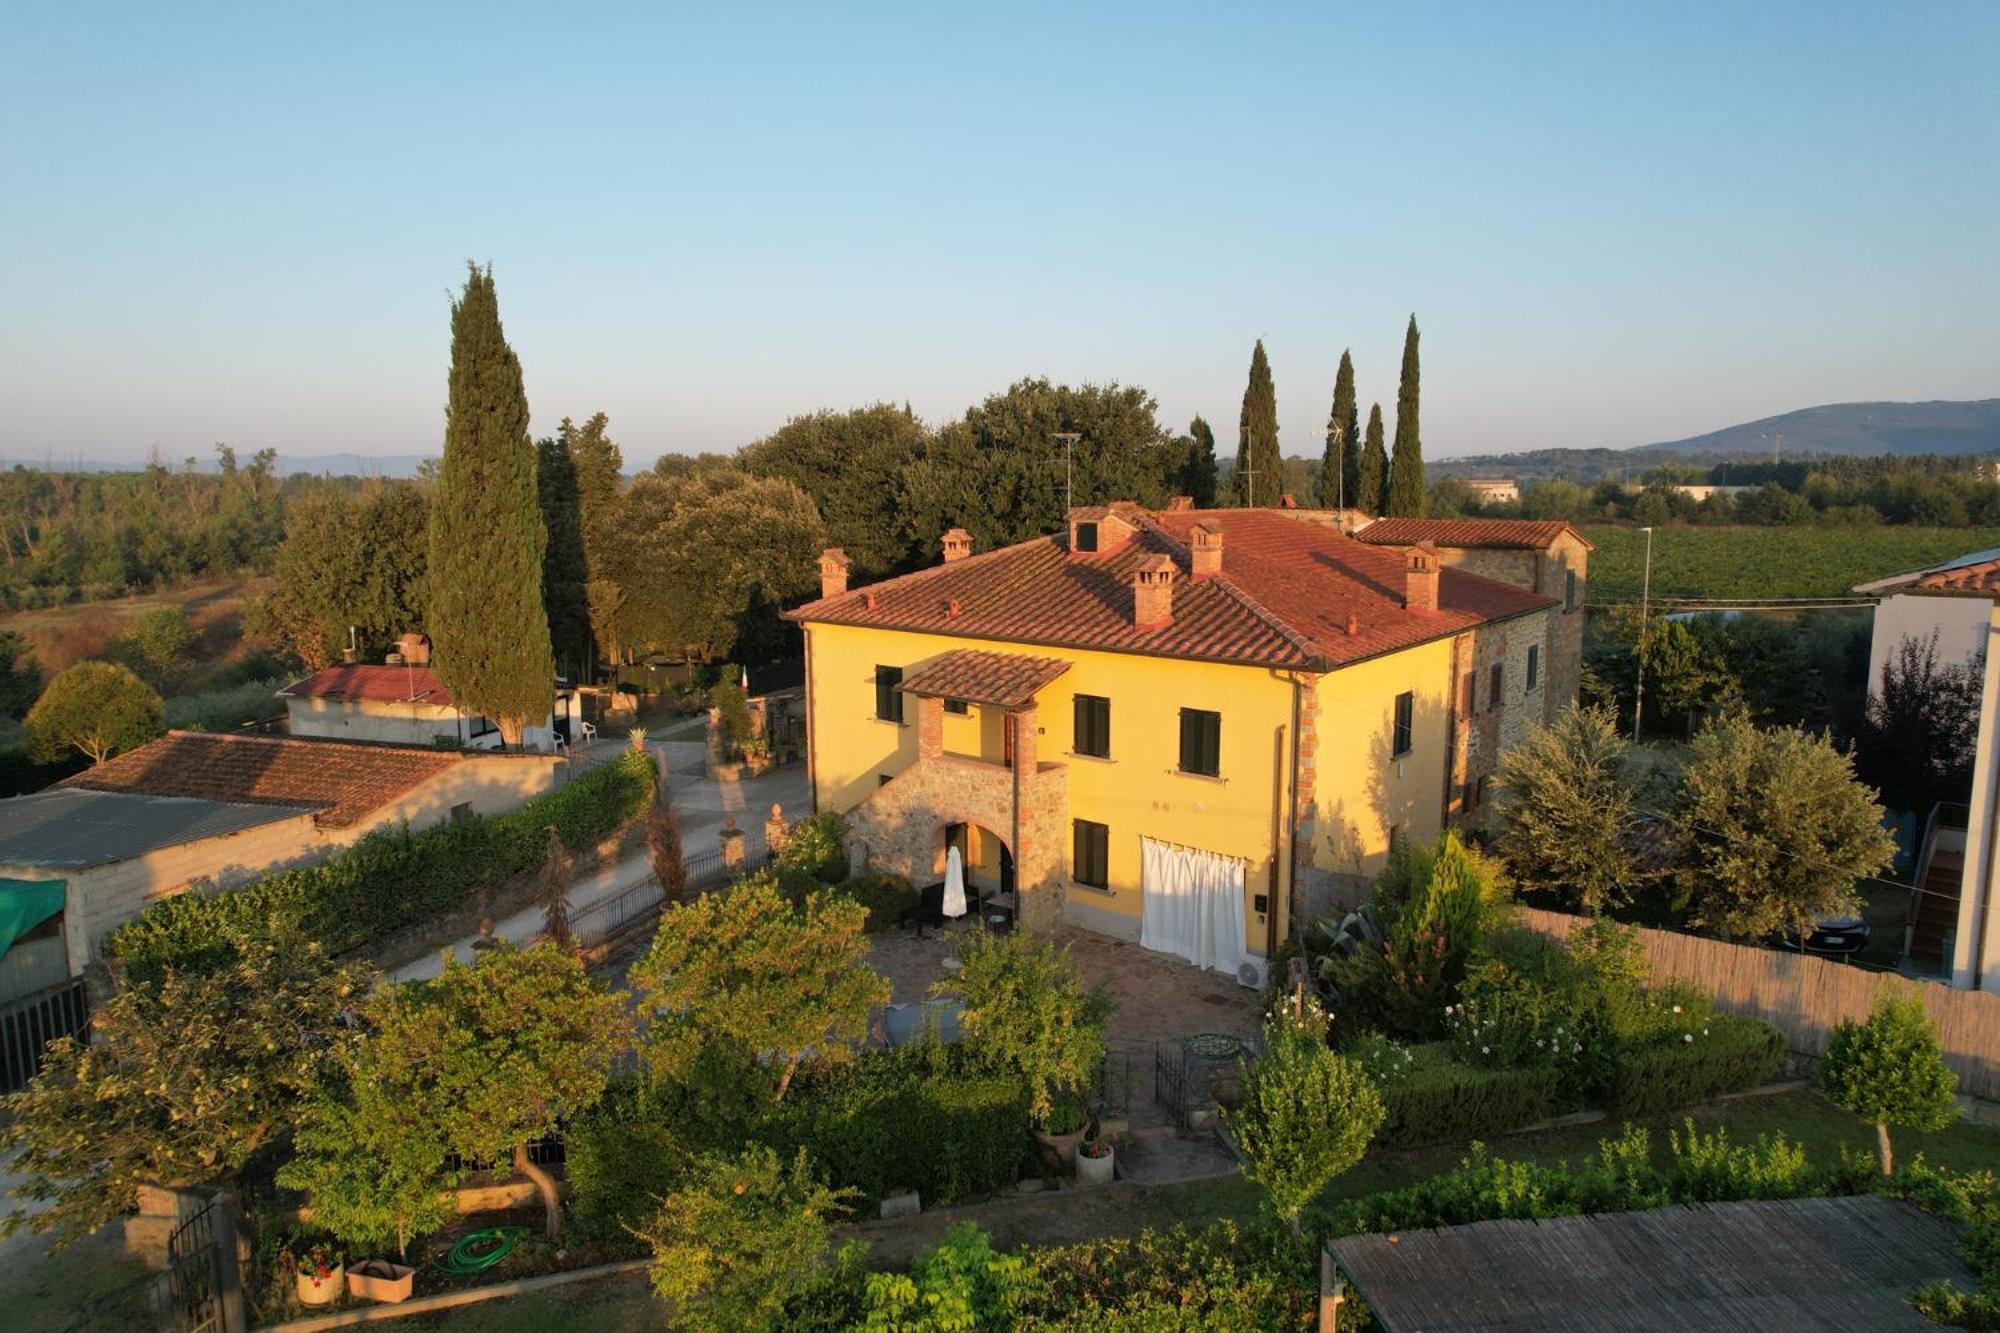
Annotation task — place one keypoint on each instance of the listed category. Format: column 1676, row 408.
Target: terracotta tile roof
column 340, row 780
column 1520, row 534
column 1982, row 580
column 1006, row 680
column 377, row 684
column 1284, row 598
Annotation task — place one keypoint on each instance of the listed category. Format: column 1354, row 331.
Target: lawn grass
column 44, row 1293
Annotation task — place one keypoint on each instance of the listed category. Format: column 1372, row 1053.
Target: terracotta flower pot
column 1063, row 1145
column 314, row 1290
column 381, row 1280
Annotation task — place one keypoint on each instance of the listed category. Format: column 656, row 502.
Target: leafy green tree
column 745, row 1238
column 698, row 556
column 489, row 632
column 1306, row 1115
column 1919, row 739
column 1028, row 1015
column 20, row 675
column 599, row 468
column 1259, row 466
column 750, row 973
column 486, row 1058
column 357, row 561
column 999, row 472
column 158, row 647
column 1567, row 810
column 1684, row 674
column 1371, row 470
column 1774, row 830
column 180, row 1083
column 564, row 571
column 95, row 708
column 851, row 464
column 1406, row 495
column 1197, row 480
column 1338, row 475
column 1890, row 1070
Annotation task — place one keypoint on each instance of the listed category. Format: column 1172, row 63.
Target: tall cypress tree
column 563, row 570
column 599, row 471
column 1407, row 497
column 1337, row 473
column 1198, row 476
column 1260, row 470
column 1372, row 470
column 489, row 633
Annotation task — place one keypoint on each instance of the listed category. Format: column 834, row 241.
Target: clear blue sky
column 1616, row 223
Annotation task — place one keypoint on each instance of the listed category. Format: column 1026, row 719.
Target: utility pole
column 1338, row 434
column 1069, row 439
column 1645, row 611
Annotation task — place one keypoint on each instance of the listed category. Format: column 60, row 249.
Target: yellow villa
column 1183, row 727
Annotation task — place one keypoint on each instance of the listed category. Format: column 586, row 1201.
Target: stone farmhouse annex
column 1180, row 727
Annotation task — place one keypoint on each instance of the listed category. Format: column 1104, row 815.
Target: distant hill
column 318, row 465
column 1868, row 429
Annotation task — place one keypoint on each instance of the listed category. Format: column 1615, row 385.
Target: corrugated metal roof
column 71, row 828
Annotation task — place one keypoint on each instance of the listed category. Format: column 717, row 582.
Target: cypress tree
column 489, row 632
column 1337, row 473
column 1198, row 477
column 599, row 469
column 1372, row 469
column 1407, row 498
column 563, row 569
column 1260, row 470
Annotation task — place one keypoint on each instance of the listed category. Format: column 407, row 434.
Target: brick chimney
column 1205, row 550
column 833, row 565
column 415, row 649
column 1153, row 593
column 1420, row 578
column 957, row 545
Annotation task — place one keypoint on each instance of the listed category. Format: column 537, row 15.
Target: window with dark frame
column 1534, row 665
column 1406, row 717
column 1092, row 856
column 1496, row 690
column 958, row 706
column 1086, row 536
column 888, row 699
column 1569, row 590
column 1201, row 742
column 1093, row 726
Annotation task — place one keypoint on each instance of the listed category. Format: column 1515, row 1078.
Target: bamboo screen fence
column 1806, row 997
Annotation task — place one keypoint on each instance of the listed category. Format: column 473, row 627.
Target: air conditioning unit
column 1252, row 972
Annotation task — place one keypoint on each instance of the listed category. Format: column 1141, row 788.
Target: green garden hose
column 478, row 1251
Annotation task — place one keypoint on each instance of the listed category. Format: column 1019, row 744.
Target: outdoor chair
column 929, row 910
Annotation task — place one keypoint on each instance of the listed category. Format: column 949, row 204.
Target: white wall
column 1960, row 623
column 1975, row 961
column 397, row 723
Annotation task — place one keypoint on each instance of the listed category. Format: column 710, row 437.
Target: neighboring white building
column 193, row 808
column 1975, row 955
column 1495, row 490
column 402, row 705
column 1952, row 599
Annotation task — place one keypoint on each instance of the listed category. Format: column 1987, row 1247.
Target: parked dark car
column 1835, row 937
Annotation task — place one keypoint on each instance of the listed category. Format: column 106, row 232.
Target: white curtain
column 1191, row 904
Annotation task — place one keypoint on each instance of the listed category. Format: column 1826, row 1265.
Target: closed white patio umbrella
column 954, row 884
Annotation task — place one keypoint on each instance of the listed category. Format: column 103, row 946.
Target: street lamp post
column 1338, row 434
column 1068, row 439
column 1645, row 612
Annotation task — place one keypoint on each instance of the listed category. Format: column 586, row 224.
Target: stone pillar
column 731, row 839
column 1025, row 727
column 776, row 830
column 930, row 726
column 1039, row 864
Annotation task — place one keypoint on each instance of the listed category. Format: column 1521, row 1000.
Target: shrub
column 95, row 709
column 1436, row 1099
column 1891, row 1070
column 961, row 1284
column 886, row 897
column 1727, row 1055
column 904, row 1119
column 621, row 1158
column 742, row 1238
column 817, row 847
column 1028, row 1016
column 387, row 879
column 1220, row 1277
column 1708, row 1168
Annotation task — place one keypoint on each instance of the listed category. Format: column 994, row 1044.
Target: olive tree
column 97, row 708
column 1567, row 810
column 1774, row 829
column 1890, row 1070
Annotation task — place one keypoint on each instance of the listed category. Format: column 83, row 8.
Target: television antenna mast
column 1068, row 439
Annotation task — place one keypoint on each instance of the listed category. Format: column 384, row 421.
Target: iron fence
column 600, row 921
column 29, row 1024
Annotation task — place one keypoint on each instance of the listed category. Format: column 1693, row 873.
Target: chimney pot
column 957, row 545
column 1420, row 578
column 833, row 568
column 1153, row 594
column 1205, row 550
column 951, row 609
column 1353, row 624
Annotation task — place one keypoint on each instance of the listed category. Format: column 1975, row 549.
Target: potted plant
column 1094, row 1162
column 1063, row 1130
column 756, row 757
column 321, row 1276
column 381, row 1280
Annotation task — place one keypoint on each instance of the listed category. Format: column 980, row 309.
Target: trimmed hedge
column 388, row 879
column 1439, row 1100
column 620, row 1159
column 1730, row 1054
column 891, row 1124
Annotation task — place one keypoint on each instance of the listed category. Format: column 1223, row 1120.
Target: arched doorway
column 989, row 862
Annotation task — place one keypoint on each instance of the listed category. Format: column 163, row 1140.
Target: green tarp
column 25, row 904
